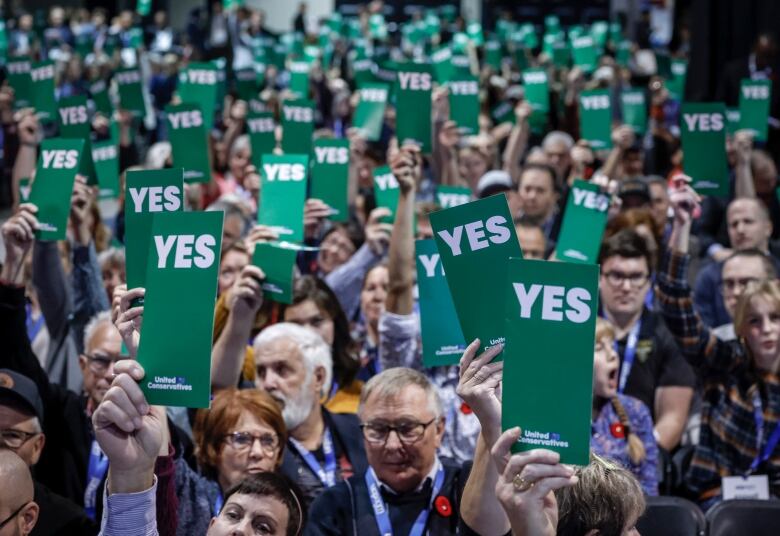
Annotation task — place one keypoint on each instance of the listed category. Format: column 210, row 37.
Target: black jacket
column 60, row 517
column 345, row 509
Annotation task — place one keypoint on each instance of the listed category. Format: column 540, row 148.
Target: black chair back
column 748, row 517
column 671, row 516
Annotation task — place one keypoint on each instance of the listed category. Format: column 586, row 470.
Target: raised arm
column 29, row 132
column 622, row 139
column 743, row 174
column 518, row 140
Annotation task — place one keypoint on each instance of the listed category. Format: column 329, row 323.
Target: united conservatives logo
column 169, row 383
column 543, row 439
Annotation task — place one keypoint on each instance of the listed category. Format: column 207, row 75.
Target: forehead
column 529, row 234
column 762, row 304
column 555, row 147
column 278, row 350
column 262, row 505
column 410, row 402
column 235, row 258
column 744, row 267
column 377, row 276
column 744, row 210
column 307, row 308
column 105, row 338
column 536, row 177
column 338, row 235
column 658, row 191
column 626, row 264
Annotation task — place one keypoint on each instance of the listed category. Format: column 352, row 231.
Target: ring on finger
column 521, row 484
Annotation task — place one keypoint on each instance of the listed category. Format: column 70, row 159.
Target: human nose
column 256, row 450
column 393, row 441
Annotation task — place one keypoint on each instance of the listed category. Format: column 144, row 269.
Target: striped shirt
column 130, row 514
column 727, row 445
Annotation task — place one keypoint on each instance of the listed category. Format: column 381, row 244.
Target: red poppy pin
column 465, row 409
column 617, row 430
column 443, row 506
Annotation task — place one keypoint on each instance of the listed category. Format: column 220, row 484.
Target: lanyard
column 381, row 514
column 629, row 355
column 774, row 438
column 218, row 502
column 327, row 475
column 33, row 327
column 96, row 471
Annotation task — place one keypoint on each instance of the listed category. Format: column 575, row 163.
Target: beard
column 297, row 409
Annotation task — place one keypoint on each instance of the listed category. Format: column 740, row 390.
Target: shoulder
column 334, row 502
column 344, row 421
column 634, row 406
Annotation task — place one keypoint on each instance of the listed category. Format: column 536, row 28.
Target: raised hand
column 80, row 203
column 315, row 212
column 129, row 319
column 405, row 165
column 18, row 236
column 479, row 386
column 378, row 233
column 246, row 295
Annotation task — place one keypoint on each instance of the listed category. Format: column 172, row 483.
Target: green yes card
column 583, row 224
column 537, row 92
column 147, row 192
column 277, row 261
column 297, row 126
column 634, row 109
column 596, row 118
column 386, row 191
column 18, row 76
column 370, row 112
column 58, row 164
column 584, row 53
column 105, row 155
column 464, row 104
column 283, row 194
column 262, row 135
column 131, row 97
column 550, row 324
column 330, row 176
column 442, row 339
column 452, row 196
column 183, row 255
column 189, row 142
column 703, row 136
column 74, row 123
column 198, row 84
column 413, row 106
column 754, row 99
column 42, row 91
column 475, row 241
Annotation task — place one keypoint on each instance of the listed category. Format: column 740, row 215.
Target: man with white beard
column 294, row 366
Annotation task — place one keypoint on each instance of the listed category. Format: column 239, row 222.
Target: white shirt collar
column 430, row 476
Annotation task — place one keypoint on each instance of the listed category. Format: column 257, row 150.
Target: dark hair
column 279, row 487
column 345, row 363
column 353, row 231
column 755, row 253
column 540, row 167
column 626, row 243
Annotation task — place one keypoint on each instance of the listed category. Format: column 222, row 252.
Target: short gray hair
column 103, row 317
column 557, row 136
column 391, row 382
column 315, row 351
column 111, row 257
column 241, row 142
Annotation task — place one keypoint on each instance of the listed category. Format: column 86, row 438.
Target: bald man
column 18, row 511
column 749, row 227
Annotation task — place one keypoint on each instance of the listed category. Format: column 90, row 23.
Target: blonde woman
column 739, row 421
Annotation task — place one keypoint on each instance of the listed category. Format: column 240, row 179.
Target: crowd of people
column 323, row 419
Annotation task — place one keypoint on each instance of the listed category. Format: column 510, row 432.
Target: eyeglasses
column 244, row 440
column 636, row 279
column 731, row 285
column 14, row 439
column 16, row 513
column 407, row 432
column 100, row 363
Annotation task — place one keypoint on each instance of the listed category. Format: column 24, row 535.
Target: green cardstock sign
column 330, row 176
column 583, row 224
column 262, row 135
column 550, row 324
column 634, row 109
column 131, row 97
column 147, row 192
column 277, row 261
column 58, row 165
column 386, row 191
column 74, row 123
column 18, row 76
column 198, row 84
column 299, row 78
column 754, row 99
column 584, row 53
column 452, row 196
column 370, row 112
column 246, row 84
column 442, row 339
column 297, row 126
column 538, row 95
column 98, row 92
column 24, row 189
column 676, row 83
column 189, row 142
column 183, row 256
column 474, row 241
column 703, row 136
column 413, row 106
column 105, row 155
column 732, row 120
column 42, row 91
column 283, row 194
column 464, row 104
column 596, row 118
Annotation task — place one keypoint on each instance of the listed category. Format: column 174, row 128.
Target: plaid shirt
column 728, row 430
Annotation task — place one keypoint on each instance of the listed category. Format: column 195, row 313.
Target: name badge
column 751, row 487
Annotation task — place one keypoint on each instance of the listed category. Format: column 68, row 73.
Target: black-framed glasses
column 100, row 363
column 14, row 439
column 244, row 440
column 13, row 515
column 636, row 279
column 408, row 432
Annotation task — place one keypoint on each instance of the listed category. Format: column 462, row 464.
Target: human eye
column 263, row 527
column 232, row 514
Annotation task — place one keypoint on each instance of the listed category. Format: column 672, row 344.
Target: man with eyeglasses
column 21, row 413
column 18, row 510
column 407, row 489
column 652, row 368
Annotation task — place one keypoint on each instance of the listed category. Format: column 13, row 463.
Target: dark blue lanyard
column 33, row 327
column 762, row 455
column 327, row 475
column 628, row 355
column 218, row 502
column 96, row 471
column 381, row 513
